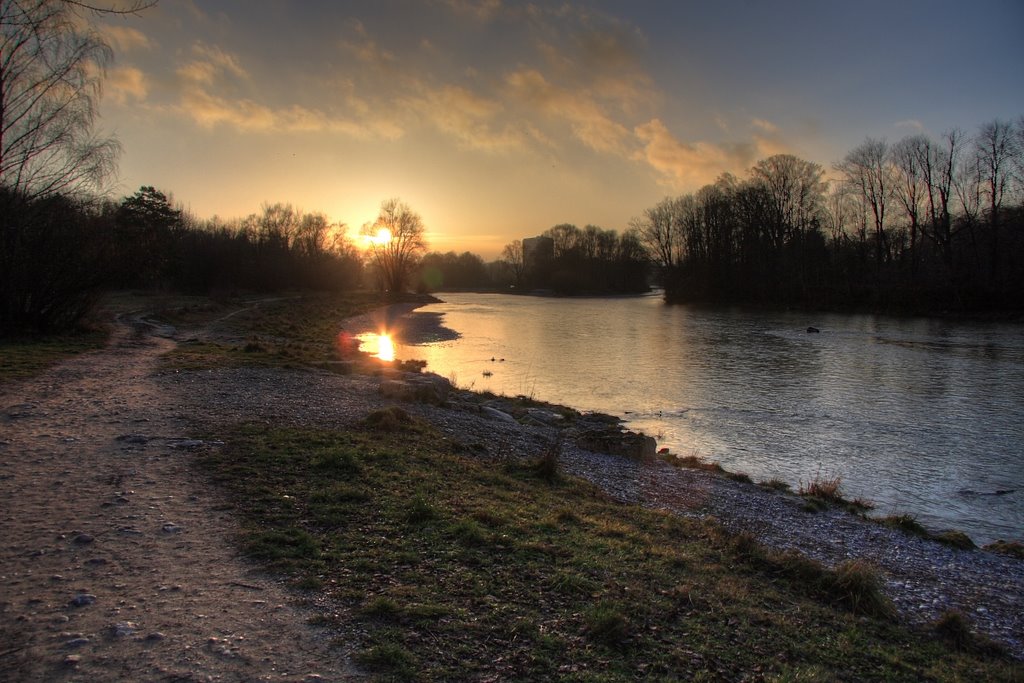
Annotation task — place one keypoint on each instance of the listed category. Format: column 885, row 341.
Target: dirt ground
column 117, row 561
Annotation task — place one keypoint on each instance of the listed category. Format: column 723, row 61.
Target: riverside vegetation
column 427, row 559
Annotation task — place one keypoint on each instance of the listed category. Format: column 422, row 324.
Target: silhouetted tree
column 395, row 244
column 512, row 254
column 51, row 66
column 866, row 169
column 147, row 226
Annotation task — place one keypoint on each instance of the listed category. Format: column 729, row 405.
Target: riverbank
column 923, row 578
column 424, row 546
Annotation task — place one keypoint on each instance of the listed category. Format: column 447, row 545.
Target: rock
column 616, row 442
column 82, row 539
column 496, row 414
column 77, row 642
column 171, row 528
column 545, row 417
column 82, row 599
column 154, row 637
column 72, row 660
column 813, row 330
column 138, row 439
column 122, row 629
column 426, row 388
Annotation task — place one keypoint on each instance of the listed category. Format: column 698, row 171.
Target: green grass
column 24, row 357
column 441, row 566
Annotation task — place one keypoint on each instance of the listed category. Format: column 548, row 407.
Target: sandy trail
column 117, row 560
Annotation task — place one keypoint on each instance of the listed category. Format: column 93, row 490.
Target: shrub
column 607, row 625
column 419, row 510
column 855, row 585
column 547, row 466
column 1011, row 548
column 392, row 419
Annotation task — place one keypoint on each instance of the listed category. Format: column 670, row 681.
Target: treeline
column 588, row 261
column 58, row 253
column 924, row 224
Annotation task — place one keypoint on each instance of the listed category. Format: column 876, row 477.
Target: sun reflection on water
column 385, row 347
column 379, row 345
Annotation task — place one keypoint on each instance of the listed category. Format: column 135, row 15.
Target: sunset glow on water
column 378, row 345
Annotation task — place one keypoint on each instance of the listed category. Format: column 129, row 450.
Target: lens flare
column 385, row 347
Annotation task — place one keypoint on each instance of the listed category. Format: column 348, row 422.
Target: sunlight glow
column 383, row 236
column 377, row 345
column 385, row 347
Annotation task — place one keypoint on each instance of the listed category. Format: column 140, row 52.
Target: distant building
column 537, row 251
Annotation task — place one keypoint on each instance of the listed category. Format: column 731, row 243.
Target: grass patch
column 693, row 462
column 289, row 331
column 448, row 567
column 824, row 491
column 906, row 523
column 910, row 525
column 1011, row 548
column 776, row 484
column 24, row 357
column 954, row 628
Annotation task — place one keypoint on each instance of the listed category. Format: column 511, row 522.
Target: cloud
column 687, row 166
column 124, row 38
column 125, row 84
column 588, row 121
column 476, row 122
column 365, row 49
column 479, row 10
column 209, row 85
column 210, row 64
column 912, row 124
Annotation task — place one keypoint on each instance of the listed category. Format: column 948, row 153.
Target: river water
column 921, row 416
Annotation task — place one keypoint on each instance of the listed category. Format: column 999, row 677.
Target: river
column 920, row 416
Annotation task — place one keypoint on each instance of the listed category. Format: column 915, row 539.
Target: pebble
column 82, row 599
column 72, row 660
column 123, row 629
column 82, row 539
column 154, row 637
column 170, row 528
column 77, row 642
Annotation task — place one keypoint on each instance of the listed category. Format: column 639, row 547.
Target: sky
column 496, row 120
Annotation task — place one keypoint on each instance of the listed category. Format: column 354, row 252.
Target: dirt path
column 117, row 561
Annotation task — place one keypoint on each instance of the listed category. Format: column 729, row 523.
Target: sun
column 382, row 236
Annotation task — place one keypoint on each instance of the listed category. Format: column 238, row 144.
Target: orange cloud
column 687, row 166
column 125, row 84
column 124, row 38
column 588, row 121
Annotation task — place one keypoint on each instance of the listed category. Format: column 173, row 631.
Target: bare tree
column 795, row 189
column 909, row 186
column 51, row 66
column 939, row 164
column 513, row 255
column 866, row 169
column 995, row 150
column 396, row 243
column 660, row 232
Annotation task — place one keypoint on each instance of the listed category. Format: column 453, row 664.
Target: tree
column 395, row 243
column 866, row 169
column 51, row 66
column 512, row 254
column 909, row 186
column 995, row 149
column 147, row 225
